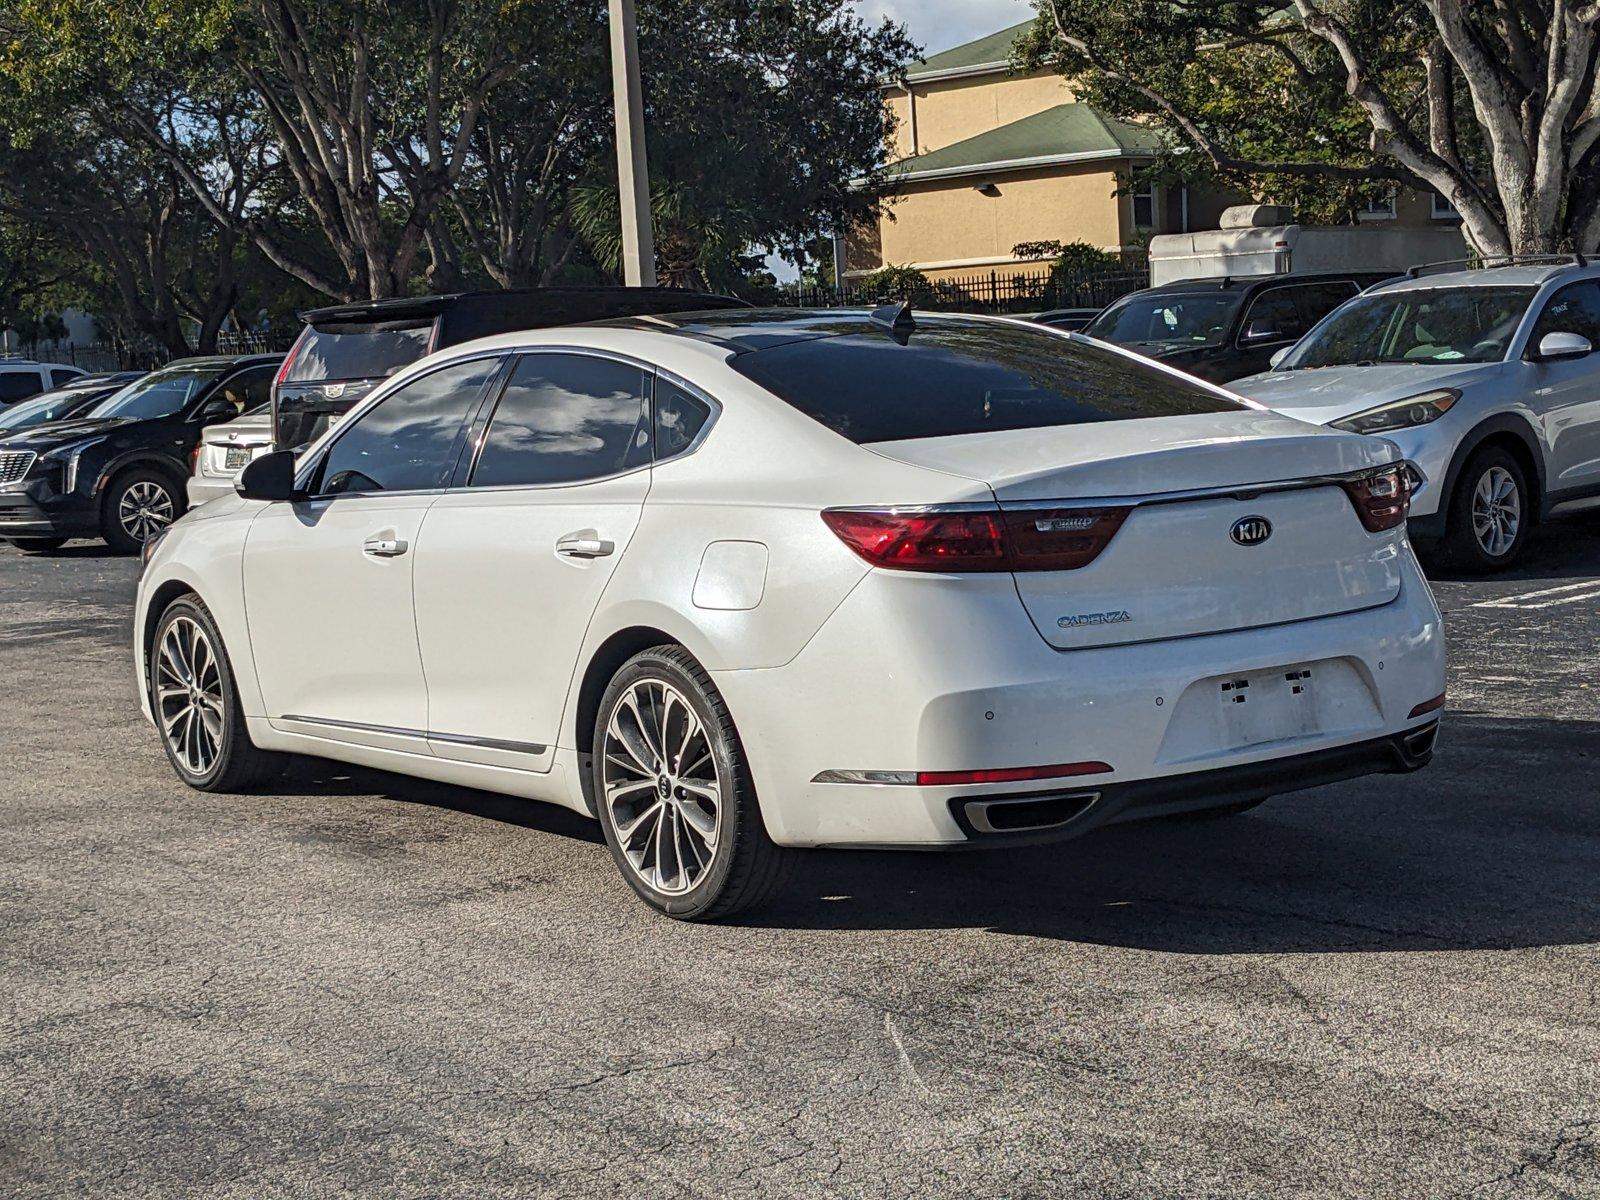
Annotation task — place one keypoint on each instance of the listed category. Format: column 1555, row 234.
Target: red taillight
column 194, row 458
column 1428, row 706
column 288, row 359
column 1010, row 774
column 1381, row 497
column 955, row 540
column 987, row 539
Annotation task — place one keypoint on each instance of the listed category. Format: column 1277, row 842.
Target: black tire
column 38, row 545
column 1462, row 547
column 117, row 536
column 238, row 764
column 746, row 866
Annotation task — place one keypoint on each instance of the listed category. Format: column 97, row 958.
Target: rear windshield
column 956, row 378
column 358, row 352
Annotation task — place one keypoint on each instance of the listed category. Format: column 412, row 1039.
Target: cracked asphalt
column 368, row 985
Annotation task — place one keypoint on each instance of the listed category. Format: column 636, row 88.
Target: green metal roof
column 991, row 51
column 1060, row 133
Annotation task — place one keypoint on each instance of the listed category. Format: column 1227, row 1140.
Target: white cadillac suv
column 1487, row 380
column 740, row 582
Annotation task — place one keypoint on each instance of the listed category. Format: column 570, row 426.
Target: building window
column 1377, row 210
column 1443, row 210
column 1144, row 206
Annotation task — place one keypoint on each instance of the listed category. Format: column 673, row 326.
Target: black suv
column 346, row 350
column 1228, row 327
column 118, row 472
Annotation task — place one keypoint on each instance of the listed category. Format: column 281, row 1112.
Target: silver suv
column 1486, row 379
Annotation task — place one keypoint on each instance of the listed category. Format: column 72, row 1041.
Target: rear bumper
column 930, row 674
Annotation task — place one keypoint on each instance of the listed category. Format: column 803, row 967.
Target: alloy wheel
column 145, row 509
column 1496, row 511
column 188, row 694
column 662, row 788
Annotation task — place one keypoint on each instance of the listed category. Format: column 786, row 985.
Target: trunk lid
column 1174, row 568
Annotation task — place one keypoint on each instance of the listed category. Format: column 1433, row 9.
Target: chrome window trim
column 1234, row 492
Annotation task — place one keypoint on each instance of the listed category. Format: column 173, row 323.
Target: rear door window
column 358, row 351
column 679, row 418
column 58, row 376
column 565, row 418
column 959, row 377
column 409, row 440
column 18, row 385
column 1320, row 299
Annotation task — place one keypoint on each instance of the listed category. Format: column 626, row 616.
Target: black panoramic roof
column 760, row 328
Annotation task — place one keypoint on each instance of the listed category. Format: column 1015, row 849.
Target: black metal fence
column 988, row 292
column 124, row 355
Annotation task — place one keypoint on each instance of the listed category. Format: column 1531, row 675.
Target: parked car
column 1223, row 329
column 1486, row 379
column 61, row 404
column 1069, row 319
column 118, row 471
column 22, row 378
column 344, row 351
column 225, row 450
column 1009, row 584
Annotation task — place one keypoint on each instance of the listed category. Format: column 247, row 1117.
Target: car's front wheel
column 138, row 505
column 196, row 704
column 1491, row 512
column 674, row 792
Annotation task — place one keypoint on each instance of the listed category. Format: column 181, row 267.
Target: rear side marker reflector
column 961, row 778
column 1428, row 706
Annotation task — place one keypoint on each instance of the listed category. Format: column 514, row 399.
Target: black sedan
column 118, row 471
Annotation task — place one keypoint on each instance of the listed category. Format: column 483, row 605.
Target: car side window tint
column 1320, row 299
column 1274, row 316
column 59, row 377
column 680, row 417
column 248, row 389
column 18, row 385
column 1574, row 309
column 410, row 439
column 564, row 418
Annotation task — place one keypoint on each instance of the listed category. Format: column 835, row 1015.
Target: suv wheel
column 1491, row 512
column 196, row 704
column 138, row 505
column 674, row 793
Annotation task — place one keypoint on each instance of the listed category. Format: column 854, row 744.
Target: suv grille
column 14, row 464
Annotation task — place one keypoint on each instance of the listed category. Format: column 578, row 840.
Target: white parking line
column 1587, row 590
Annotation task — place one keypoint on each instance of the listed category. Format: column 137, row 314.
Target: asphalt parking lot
column 371, row 985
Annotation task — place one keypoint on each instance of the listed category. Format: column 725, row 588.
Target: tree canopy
column 1490, row 103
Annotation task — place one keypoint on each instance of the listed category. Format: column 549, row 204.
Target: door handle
column 384, row 547
column 579, row 546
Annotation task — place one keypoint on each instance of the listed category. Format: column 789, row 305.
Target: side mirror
column 1279, row 355
column 270, row 477
column 218, row 408
column 1563, row 345
column 1260, row 331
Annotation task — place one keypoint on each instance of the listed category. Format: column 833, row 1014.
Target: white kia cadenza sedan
column 746, row 581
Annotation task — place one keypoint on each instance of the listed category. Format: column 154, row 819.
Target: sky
column 934, row 25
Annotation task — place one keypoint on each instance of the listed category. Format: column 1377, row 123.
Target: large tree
column 1491, row 103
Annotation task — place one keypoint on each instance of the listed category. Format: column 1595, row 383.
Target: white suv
column 1485, row 379
column 22, row 377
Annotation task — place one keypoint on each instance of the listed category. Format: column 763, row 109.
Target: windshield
column 159, row 395
column 1462, row 324
column 51, row 406
column 956, row 377
column 1190, row 318
column 356, row 352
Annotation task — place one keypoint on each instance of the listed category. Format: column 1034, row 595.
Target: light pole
column 633, row 170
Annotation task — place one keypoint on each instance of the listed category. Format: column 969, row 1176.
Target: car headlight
column 69, row 455
column 1401, row 414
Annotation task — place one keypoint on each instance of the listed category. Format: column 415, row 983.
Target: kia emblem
column 1251, row 531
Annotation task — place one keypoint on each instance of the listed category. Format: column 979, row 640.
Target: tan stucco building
column 986, row 158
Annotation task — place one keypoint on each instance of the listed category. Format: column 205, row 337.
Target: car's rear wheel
column 674, row 792
column 138, row 505
column 196, row 705
column 42, row 545
column 1491, row 512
